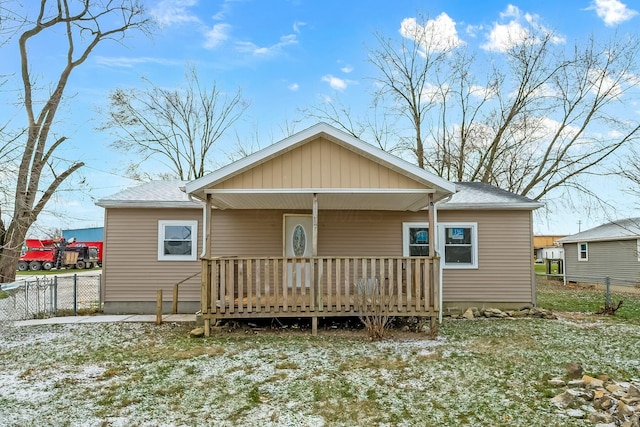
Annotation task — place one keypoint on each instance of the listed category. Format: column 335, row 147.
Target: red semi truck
column 58, row 253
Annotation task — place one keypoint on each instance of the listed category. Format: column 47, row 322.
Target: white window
column 457, row 242
column 583, row 252
column 415, row 239
column 638, row 249
column 177, row 240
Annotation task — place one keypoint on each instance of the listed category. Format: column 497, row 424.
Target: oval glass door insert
column 299, row 240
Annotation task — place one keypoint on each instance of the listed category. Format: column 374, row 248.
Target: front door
column 298, row 243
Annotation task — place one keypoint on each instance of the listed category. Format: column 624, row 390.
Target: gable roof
column 441, row 186
column 169, row 194
column 478, row 195
column 157, row 194
column 623, row 229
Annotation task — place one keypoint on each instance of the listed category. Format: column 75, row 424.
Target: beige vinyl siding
column 340, row 233
column 133, row 273
column 319, row 164
column 617, row 259
column 505, row 254
column 131, row 268
column 248, row 233
column 504, row 273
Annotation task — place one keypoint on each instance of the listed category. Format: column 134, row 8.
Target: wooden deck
column 319, row 287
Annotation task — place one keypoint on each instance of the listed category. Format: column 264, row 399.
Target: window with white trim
column 177, row 240
column 457, row 242
column 583, row 252
column 415, row 239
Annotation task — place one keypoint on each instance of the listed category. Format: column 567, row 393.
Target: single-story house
column 609, row 250
column 306, row 226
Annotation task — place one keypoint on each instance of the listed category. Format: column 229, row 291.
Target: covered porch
column 318, row 176
column 304, row 283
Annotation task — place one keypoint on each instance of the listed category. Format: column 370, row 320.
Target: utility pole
column 579, row 224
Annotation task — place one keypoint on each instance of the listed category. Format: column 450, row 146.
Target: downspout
column 435, row 219
column 204, row 253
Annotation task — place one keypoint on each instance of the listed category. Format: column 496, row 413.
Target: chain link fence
column 599, row 294
column 50, row 296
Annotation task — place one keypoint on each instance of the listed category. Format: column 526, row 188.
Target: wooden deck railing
column 319, row 286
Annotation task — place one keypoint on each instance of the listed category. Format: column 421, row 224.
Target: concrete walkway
column 149, row 318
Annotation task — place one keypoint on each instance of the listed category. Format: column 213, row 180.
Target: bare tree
column 538, row 120
column 629, row 168
column 405, row 72
column 175, row 126
column 84, row 24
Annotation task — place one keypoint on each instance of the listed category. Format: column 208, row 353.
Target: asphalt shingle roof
column 169, row 194
column 481, row 195
column 151, row 194
column 616, row 230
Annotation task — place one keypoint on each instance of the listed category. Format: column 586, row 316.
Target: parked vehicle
column 59, row 253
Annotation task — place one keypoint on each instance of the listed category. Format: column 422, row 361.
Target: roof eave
column 599, row 239
column 488, row 206
column 148, row 204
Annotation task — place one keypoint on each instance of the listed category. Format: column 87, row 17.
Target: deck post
column 314, row 326
column 159, row 307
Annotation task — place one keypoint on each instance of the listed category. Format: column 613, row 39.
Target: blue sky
column 285, row 55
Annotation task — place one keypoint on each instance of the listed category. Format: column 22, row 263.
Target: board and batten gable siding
column 319, row 164
column 617, row 259
column 131, row 268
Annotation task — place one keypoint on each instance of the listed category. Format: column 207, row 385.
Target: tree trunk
column 10, row 252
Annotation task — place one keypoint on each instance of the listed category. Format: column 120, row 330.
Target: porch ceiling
column 332, row 199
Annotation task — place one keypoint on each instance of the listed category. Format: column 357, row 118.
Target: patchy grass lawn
column 479, row 372
column 553, row 295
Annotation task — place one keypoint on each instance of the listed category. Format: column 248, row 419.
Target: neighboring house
column 611, row 249
column 547, row 247
column 301, row 228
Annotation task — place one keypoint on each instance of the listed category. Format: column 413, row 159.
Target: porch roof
column 352, row 199
column 334, row 197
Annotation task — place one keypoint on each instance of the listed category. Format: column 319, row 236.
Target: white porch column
column 205, row 294
column 432, row 226
column 314, row 249
column 206, row 229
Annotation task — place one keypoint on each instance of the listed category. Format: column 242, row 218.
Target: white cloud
column 484, row 92
column 346, row 69
column 132, row 62
column 604, row 84
column 169, row 12
column 335, row 82
column 437, row 35
column 612, row 12
column 510, row 12
column 249, row 47
column 293, row 87
column 435, row 94
column 216, row 35
column 297, row 25
column 504, row 36
column 473, row 30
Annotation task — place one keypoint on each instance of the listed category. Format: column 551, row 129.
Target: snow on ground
column 484, row 372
